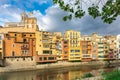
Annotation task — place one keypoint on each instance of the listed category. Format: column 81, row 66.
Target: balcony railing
column 86, row 55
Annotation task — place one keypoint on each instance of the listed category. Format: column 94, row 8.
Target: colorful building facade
column 86, row 50
column 19, row 47
column 86, row 46
column 112, row 48
column 96, row 39
column 74, row 51
column 44, row 47
column 65, row 50
column 57, row 42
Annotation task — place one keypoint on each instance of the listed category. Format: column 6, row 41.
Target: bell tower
column 23, row 17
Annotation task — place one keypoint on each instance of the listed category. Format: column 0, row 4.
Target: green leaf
column 55, row 1
column 93, row 11
column 65, row 18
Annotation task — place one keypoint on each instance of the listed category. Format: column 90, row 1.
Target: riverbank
column 58, row 65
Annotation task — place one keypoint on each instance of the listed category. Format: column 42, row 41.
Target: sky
column 49, row 17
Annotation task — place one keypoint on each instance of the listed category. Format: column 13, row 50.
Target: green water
column 70, row 73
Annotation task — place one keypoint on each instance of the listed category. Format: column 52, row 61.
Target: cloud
column 41, row 1
column 9, row 13
column 52, row 21
column 5, row 5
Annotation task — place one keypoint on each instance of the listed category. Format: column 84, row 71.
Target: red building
column 65, row 49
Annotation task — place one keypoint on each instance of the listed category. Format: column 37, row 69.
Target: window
column 40, row 58
column 65, row 56
column 65, row 42
column 45, row 51
column 36, row 52
column 30, row 35
column 77, row 50
column 93, row 56
column 45, row 58
column 65, row 52
column 7, row 35
column 13, row 45
column 101, row 56
column 25, row 51
column 13, row 53
column 50, row 58
column 24, row 59
column 24, row 40
column 94, row 50
column 22, row 52
column 45, row 46
column 72, row 50
column 65, row 46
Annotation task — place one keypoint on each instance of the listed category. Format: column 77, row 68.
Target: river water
column 69, row 73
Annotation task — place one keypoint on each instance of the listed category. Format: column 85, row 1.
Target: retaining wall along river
column 57, row 65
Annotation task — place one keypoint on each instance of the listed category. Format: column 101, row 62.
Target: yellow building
column 27, row 24
column 44, row 47
column 57, row 43
column 74, row 49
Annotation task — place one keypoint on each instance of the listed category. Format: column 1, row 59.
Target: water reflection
column 75, row 73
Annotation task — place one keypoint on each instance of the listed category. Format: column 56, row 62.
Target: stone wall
column 20, row 62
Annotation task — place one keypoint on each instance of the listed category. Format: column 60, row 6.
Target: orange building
column 19, row 46
column 86, row 50
column 65, row 49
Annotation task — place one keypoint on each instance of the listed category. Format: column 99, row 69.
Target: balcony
column 46, row 58
column 53, row 47
column 86, row 55
column 45, row 41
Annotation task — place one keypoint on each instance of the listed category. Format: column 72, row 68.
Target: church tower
column 23, row 17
